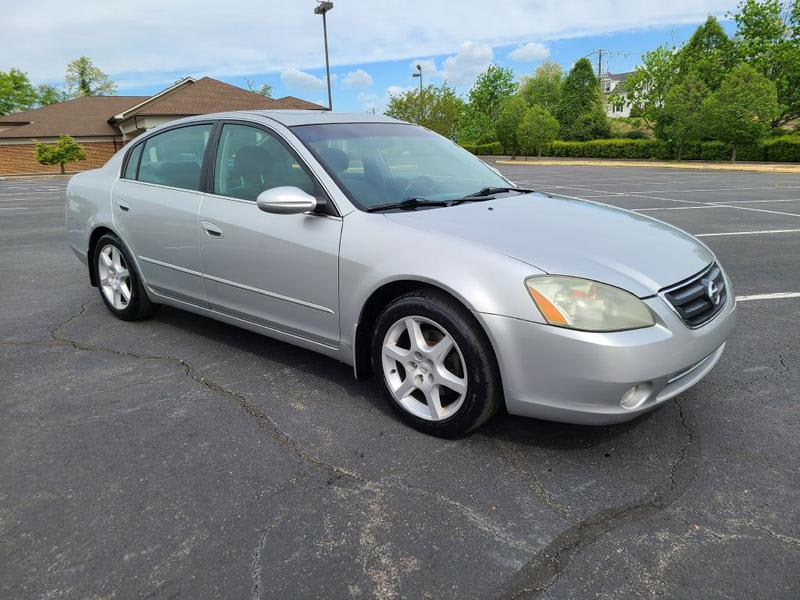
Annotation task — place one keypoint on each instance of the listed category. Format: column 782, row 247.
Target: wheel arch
column 97, row 233
column 380, row 298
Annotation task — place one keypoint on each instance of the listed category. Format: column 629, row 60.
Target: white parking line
column 763, row 210
column 761, row 232
column 677, row 208
column 755, row 201
column 778, row 296
column 772, row 212
column 14, row 208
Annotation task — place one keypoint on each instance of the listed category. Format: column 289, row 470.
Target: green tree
column 647, row 87
column 543, row 89
column 475, row 127
column 708, row 55
column 491, row 87
column 83, row 78
column 538, row 127
column 48, row 94
column 768, row 38
column 16, row 92
column 592, row 125
column 437, row 108
column 580, row 95
column 264, row 89
column 682, row 114
column 508, row 121
column 741, row 110
column 65, row 150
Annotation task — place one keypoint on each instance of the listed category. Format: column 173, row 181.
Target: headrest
column 335, row 158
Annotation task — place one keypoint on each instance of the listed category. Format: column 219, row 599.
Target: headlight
column 588, row 305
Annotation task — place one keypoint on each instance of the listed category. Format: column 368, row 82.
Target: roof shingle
column 85, row 116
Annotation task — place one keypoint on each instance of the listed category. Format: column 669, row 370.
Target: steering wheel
column 419, row 186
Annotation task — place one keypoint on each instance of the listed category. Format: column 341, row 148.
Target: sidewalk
column 650, row 164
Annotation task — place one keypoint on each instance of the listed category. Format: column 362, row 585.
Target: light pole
column 321, row 9
column 418, row 74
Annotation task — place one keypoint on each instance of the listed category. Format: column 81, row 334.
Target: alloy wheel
column 424, row 368
column 114, row 277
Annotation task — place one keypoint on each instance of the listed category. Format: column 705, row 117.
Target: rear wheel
column 120, row 285
column 435, row 364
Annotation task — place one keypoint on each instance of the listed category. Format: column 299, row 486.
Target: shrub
column 714, row 151
column 490, row 149
column 773, row 149
column 613, row 148
column 782, row 149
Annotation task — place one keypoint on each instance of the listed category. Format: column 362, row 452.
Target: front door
column 280, row 271
column 156, row 205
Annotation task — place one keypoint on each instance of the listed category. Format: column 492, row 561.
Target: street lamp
column 418, row 74
column 321, row 9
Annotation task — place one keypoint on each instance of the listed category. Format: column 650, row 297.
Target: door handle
column 211, row 229
column 123, row 206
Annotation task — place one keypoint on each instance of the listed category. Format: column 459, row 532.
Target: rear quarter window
column 175, row 158
column 132, row 166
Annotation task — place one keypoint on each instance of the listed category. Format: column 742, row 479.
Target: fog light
column 635, row 396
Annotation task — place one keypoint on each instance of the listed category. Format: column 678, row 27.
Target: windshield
column 384, row 163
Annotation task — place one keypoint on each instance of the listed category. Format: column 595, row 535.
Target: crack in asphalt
column 255, row 566
column 535, row 486
column 544, row 569
column 336, row 472
column 261, row 418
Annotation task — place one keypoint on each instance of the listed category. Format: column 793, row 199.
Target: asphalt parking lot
column 183, row 458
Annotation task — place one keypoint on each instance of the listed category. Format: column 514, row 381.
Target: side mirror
column 285, row 200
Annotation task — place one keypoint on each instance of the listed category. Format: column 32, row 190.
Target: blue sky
column 373, row 45
column 627, row 47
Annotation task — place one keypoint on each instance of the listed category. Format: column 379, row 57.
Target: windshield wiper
column 487, row 193
column 407, row 204
column 490, row 191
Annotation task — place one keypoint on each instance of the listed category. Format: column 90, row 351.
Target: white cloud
column 530, row 52
column 357, row 78
column 396, row 90
column 459, row 69
column 295, row 78
column 472, row 60
column 369, row 102
column 183, row 36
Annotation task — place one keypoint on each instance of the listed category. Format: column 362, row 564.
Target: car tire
column 446, row 393
column 118, row 281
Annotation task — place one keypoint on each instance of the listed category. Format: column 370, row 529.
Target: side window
column 133, row 162
column 175, row 158
column 250, row 160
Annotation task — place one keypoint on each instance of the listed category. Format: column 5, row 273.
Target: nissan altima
column 390, row 248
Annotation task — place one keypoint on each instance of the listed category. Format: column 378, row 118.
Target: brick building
column 103, row 124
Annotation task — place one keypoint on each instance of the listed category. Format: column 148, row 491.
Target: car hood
column 568, row 236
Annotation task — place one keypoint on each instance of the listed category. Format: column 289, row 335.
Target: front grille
column 698, row 299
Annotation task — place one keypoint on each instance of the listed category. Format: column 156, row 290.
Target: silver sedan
column 391, row 249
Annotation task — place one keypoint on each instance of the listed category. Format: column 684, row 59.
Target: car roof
column 287, row 118
column 316, row 117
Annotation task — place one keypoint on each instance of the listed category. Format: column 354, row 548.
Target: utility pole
column 600, row 63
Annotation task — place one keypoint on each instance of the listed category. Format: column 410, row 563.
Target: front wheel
column 120, row 286
column 436, row 367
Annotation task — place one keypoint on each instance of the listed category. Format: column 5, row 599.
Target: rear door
column 156, row 205
column 280, row 271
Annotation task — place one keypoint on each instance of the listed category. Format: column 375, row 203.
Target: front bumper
column 579, row 377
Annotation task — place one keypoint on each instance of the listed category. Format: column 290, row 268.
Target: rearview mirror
column 285, row 200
